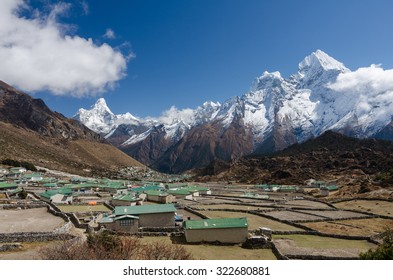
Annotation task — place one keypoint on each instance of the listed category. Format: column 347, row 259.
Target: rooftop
column 144, row 209
column 216, row 223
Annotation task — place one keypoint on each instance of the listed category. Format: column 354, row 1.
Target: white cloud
column 373, row 79
column 371, row 91
column 174, row 115
column 109, row 34
column 37, row 53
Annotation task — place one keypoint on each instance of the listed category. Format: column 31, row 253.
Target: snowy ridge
column 322, row 95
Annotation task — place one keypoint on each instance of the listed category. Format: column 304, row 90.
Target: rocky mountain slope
column 275, row 113
column 347, row 161
column 30, row 131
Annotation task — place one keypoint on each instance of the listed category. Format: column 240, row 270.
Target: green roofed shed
column 227, row 230
column 144, row 209
column 216, row 223
column 160, row 215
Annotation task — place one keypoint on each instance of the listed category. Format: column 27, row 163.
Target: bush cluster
column 105, row 246
column 25, row 164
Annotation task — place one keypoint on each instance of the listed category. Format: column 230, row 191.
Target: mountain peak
column 320, row 59
column 101, row 105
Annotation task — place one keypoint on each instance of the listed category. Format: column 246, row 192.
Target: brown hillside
column 364, row 165
column 72, row 156
column 31, row 132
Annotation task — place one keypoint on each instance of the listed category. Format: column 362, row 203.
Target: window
column 126, row 223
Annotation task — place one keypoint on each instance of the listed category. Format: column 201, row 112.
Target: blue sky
column 186, row 52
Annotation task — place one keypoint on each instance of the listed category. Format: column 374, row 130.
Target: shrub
column 384, row 251
column 25, row 164
column 105, row 246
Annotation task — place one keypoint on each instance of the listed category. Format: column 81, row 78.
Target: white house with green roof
column 181, row 193
column 155, row 215
column 4, row 186
column 160, row 197
column 126, row 200
column 225, row 230
column 124, row 223
column 57, row 196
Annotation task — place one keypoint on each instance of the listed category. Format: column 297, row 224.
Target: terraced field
column 293, row 216
column 213, row 252
column 358, row 227
column 313, row 245
column 339, row 214
column 378, row 207
column 254, row 221
column 28, row 220
column 231, row 206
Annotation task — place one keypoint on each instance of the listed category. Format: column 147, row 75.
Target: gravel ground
column 28, row 220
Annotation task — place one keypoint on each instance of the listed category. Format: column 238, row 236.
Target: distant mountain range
column 30, row 131
column 275, row 114
column 360, row 166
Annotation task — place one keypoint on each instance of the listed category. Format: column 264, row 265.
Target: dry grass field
column 360, row 227
column 28, row 220
column 29, row 251
column 213, row 252
column 306, row 204
column 254, row 221
column 372, row 206
column 299, row 244
column 230, row 206
column 340, row 214
column 292, row 216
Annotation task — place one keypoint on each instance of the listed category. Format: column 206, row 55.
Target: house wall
column 224, row 235
column 57, row 198
column 116, row 202
column 157, row 220
column 115, row 226
column 168, row 199
column 162, row 199
column 154, row 198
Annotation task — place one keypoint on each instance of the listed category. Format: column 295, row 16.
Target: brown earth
column 73, row 156
column 363, row 166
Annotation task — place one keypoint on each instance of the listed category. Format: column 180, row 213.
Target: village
column 214, row 220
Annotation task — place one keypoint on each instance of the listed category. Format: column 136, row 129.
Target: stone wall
column 33, row 236
column 61, row 233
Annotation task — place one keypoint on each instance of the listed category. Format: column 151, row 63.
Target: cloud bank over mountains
column 38, row 53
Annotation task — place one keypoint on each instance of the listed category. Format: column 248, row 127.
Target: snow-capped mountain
column 101, row 119
column 277, row 112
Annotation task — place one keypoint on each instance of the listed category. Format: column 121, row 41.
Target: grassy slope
column 70, row 156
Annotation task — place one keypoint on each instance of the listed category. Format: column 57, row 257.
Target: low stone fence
column 277, row 252
column 9, row 205
column 32, row 236
column 318, row 257
column 195, row 212
column 109, row 206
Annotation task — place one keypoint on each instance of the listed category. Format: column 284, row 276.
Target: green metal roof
column 147, row 188
column 31, row 175
column 216, row 223
column 50, row 185
column 50, row 193
column 7, row 185
column 144, row 209
column 179, row 191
